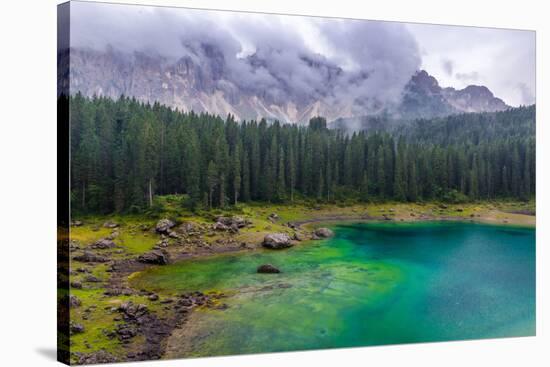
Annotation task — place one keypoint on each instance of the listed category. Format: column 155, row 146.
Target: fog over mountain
column 254, row 65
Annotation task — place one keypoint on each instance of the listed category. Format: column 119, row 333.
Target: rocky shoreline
column 176, row 242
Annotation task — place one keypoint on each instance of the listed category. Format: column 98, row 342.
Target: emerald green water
column 372, row 284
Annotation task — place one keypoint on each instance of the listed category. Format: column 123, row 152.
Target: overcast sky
column 377, row 57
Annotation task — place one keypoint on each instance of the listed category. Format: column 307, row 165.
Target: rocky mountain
column 201, row 84
column 424, row 98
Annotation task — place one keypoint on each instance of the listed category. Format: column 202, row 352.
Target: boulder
column 153, row 297
column 88, row 257
column 323, row 233
column 75, row 284
column 164, row 225
column 103, row 244
column 276, row 241
column 76, row 223
column 110, row 224
column 273, row 217
column 157, row 257
column 267, row 269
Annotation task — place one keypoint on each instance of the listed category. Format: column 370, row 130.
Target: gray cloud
column 502, row 58
column 336, row 61
column 526, row 93
column 468, row 77
column 448, row 66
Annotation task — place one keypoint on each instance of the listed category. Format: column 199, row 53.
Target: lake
column 371, row 284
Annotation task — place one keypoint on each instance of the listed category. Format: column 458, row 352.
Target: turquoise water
column 372, row 284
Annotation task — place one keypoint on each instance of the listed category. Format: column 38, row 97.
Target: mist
column 356, row 64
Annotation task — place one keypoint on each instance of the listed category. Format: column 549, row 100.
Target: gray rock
column 164, row 225
column 76, row 328
column 110, row 224
column 75, row 284
column 273, row 217
column 158, row 257
column 92, row 279
column 113, row 235
column 323, row 233
column 186, row 227
column 97, row 358
column 103, row 244
column 88, row 257
column 74, row 302
column 238, row 222
column 267, row 269
column 219, row 226
column 298, row 236
column 276, row 241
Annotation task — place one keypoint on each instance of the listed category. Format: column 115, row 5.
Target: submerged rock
column 267, row 269
column 323, row 233
column 276, row 241
column 158, row 257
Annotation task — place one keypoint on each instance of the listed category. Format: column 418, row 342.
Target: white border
column 28, row 183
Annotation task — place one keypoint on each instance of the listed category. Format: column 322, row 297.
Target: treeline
column 123, row 153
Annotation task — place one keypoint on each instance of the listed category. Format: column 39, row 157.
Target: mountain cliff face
column 201, row 85
column 424, row 98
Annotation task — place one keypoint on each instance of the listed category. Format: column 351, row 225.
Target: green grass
column 137, row 243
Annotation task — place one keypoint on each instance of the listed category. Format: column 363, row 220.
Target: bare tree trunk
column 150, row 192
column 236, row 194
column 210, row 199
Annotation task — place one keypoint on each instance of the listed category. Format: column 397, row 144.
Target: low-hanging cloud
column 362, row 63
column 448, row 66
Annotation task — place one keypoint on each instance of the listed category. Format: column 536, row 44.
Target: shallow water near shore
column 371, row 284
